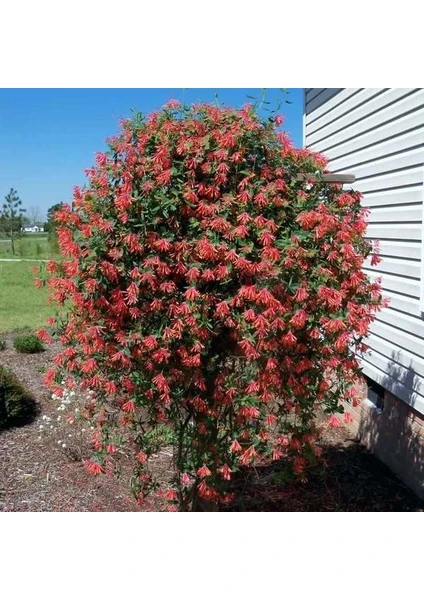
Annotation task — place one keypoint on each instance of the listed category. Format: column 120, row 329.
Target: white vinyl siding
column 377, row 134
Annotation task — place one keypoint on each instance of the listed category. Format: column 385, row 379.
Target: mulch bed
column 36, row 475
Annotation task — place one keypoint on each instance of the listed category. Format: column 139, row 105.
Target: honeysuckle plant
column 210, row 288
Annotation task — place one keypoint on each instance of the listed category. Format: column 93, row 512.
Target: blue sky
column 49, row 136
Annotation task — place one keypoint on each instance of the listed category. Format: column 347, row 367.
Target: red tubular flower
column 334, row 421
column 289, row 340
column 185, row 479
column 299, row 319
column 226, row 472
column 44, row 336
column 191, row 294
column 93, row 468
column 347, row 417
column 235, row 447
column 249, row 455
column 203, row 472
column 142, row 457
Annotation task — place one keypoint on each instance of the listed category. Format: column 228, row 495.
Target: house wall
column 378, row 135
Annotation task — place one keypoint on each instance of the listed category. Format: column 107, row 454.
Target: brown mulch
column 351, row 479
column 37, row 475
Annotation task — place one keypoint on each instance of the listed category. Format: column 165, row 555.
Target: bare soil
column 37, row 475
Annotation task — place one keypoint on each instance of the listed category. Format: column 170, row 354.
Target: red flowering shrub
column 212, row 290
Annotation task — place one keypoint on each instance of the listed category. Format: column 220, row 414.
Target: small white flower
column 92, row 428
column 69, row 435
column 41, row 427
column 63, row 445
column 51, row 426
column 83, row 430
column 59, row 441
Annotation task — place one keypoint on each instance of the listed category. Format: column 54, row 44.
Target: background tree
column 50, row 224
column 11, row 217
column 34, row 214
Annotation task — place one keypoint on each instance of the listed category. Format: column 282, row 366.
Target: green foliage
column 159, row 437
column 17, row 406
column 28, row 344
column 2, row 344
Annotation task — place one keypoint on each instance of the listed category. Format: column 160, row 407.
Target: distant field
column 34, row 245
column 21, row 303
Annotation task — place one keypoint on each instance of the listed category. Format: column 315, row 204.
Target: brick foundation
column 394, row 434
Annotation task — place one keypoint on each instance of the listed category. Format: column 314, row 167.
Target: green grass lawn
column 21, row 303
column 29, row 246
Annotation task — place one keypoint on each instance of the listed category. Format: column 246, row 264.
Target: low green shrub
column 17, row 406
column 28, row 344
column 2, row 344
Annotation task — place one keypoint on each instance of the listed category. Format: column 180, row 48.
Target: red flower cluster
column 213, row 291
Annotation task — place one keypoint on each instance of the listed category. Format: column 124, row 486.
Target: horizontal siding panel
column 396, row 266
column 396, row 214
column 396, row 354
column 397, row 196
column 391, row 180
column 395, row 283
column 396, row 145
column 388, row 231
column 321, row 98
column 394, row 128
column 341, row 97
column 398, row 337
column 400, row 249
column 345, row 125
column 339, row 112
column 410, row 103
column 404, row 303
column 312, row 92
column 394, row 386
column 401, row 321
column 407, row 377
column 384, row 165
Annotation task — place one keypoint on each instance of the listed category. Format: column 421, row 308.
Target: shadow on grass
column 353, row 481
